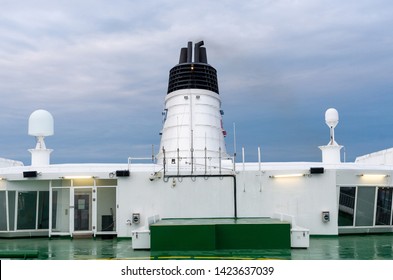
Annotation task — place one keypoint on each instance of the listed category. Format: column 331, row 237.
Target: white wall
column 305, row 198
column 213, row 197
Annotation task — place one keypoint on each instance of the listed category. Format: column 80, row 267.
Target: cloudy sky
column 101, row 68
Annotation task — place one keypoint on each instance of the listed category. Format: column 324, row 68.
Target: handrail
column 130, row 159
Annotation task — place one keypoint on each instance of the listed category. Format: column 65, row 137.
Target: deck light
column 374, row 176
column 78, row 177
column 288, row 175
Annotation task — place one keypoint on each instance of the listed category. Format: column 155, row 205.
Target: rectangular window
column 384, row 206
column 27, row 203
column 60, row 210
column 3, row 212
column 346, row 206
column 106, row 208
column 82, row 182
column 61, row 183
column 106, row 182
column 365, row 206
column 43, row 210
column 11, row 209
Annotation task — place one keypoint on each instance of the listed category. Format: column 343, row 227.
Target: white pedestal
column 300, row 237
column 141, row 239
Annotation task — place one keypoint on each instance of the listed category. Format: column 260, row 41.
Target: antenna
column 234, row 141
column 331, row 152
column 331, row 119
column 40, row 125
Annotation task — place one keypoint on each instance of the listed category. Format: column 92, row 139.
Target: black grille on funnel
column 193, row 75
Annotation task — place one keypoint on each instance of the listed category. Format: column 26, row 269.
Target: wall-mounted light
column 373, row 176
column 288, row 175
column 78, row 177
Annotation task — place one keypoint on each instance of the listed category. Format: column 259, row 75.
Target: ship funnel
column 192, row 133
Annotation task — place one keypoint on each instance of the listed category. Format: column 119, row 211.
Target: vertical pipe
column 178, row 161
column 234, row 140
column 205, row 160
column 197, row 51
column 164, row 159
column 260, row 170
column 192, row 151
column 332, row 135
column 243, row 158
column 202, row 55
column 183, row 55
column 234, row 147
column 219, row 159
column 189, row 52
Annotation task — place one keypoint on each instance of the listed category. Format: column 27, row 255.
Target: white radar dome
column 41, row 123
column 331, row 117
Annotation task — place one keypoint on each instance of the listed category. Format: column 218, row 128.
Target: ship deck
column 348, row 247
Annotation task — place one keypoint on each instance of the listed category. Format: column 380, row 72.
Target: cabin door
column 83, row 209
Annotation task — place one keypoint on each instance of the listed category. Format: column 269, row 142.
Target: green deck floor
column 353, row 247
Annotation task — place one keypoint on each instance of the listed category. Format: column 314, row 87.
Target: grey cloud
column 108, row 65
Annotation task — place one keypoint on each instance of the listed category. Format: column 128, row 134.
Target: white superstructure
column 193, row 177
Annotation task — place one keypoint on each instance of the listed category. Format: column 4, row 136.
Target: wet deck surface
column 218, row 221
column 358, row 247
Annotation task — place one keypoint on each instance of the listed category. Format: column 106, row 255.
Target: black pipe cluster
column 197, row 74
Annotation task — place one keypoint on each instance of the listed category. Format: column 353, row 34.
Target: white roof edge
column 306, row 165
column 249, row 166
column 382, row 157
column 5, row 162
column 375, row 153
